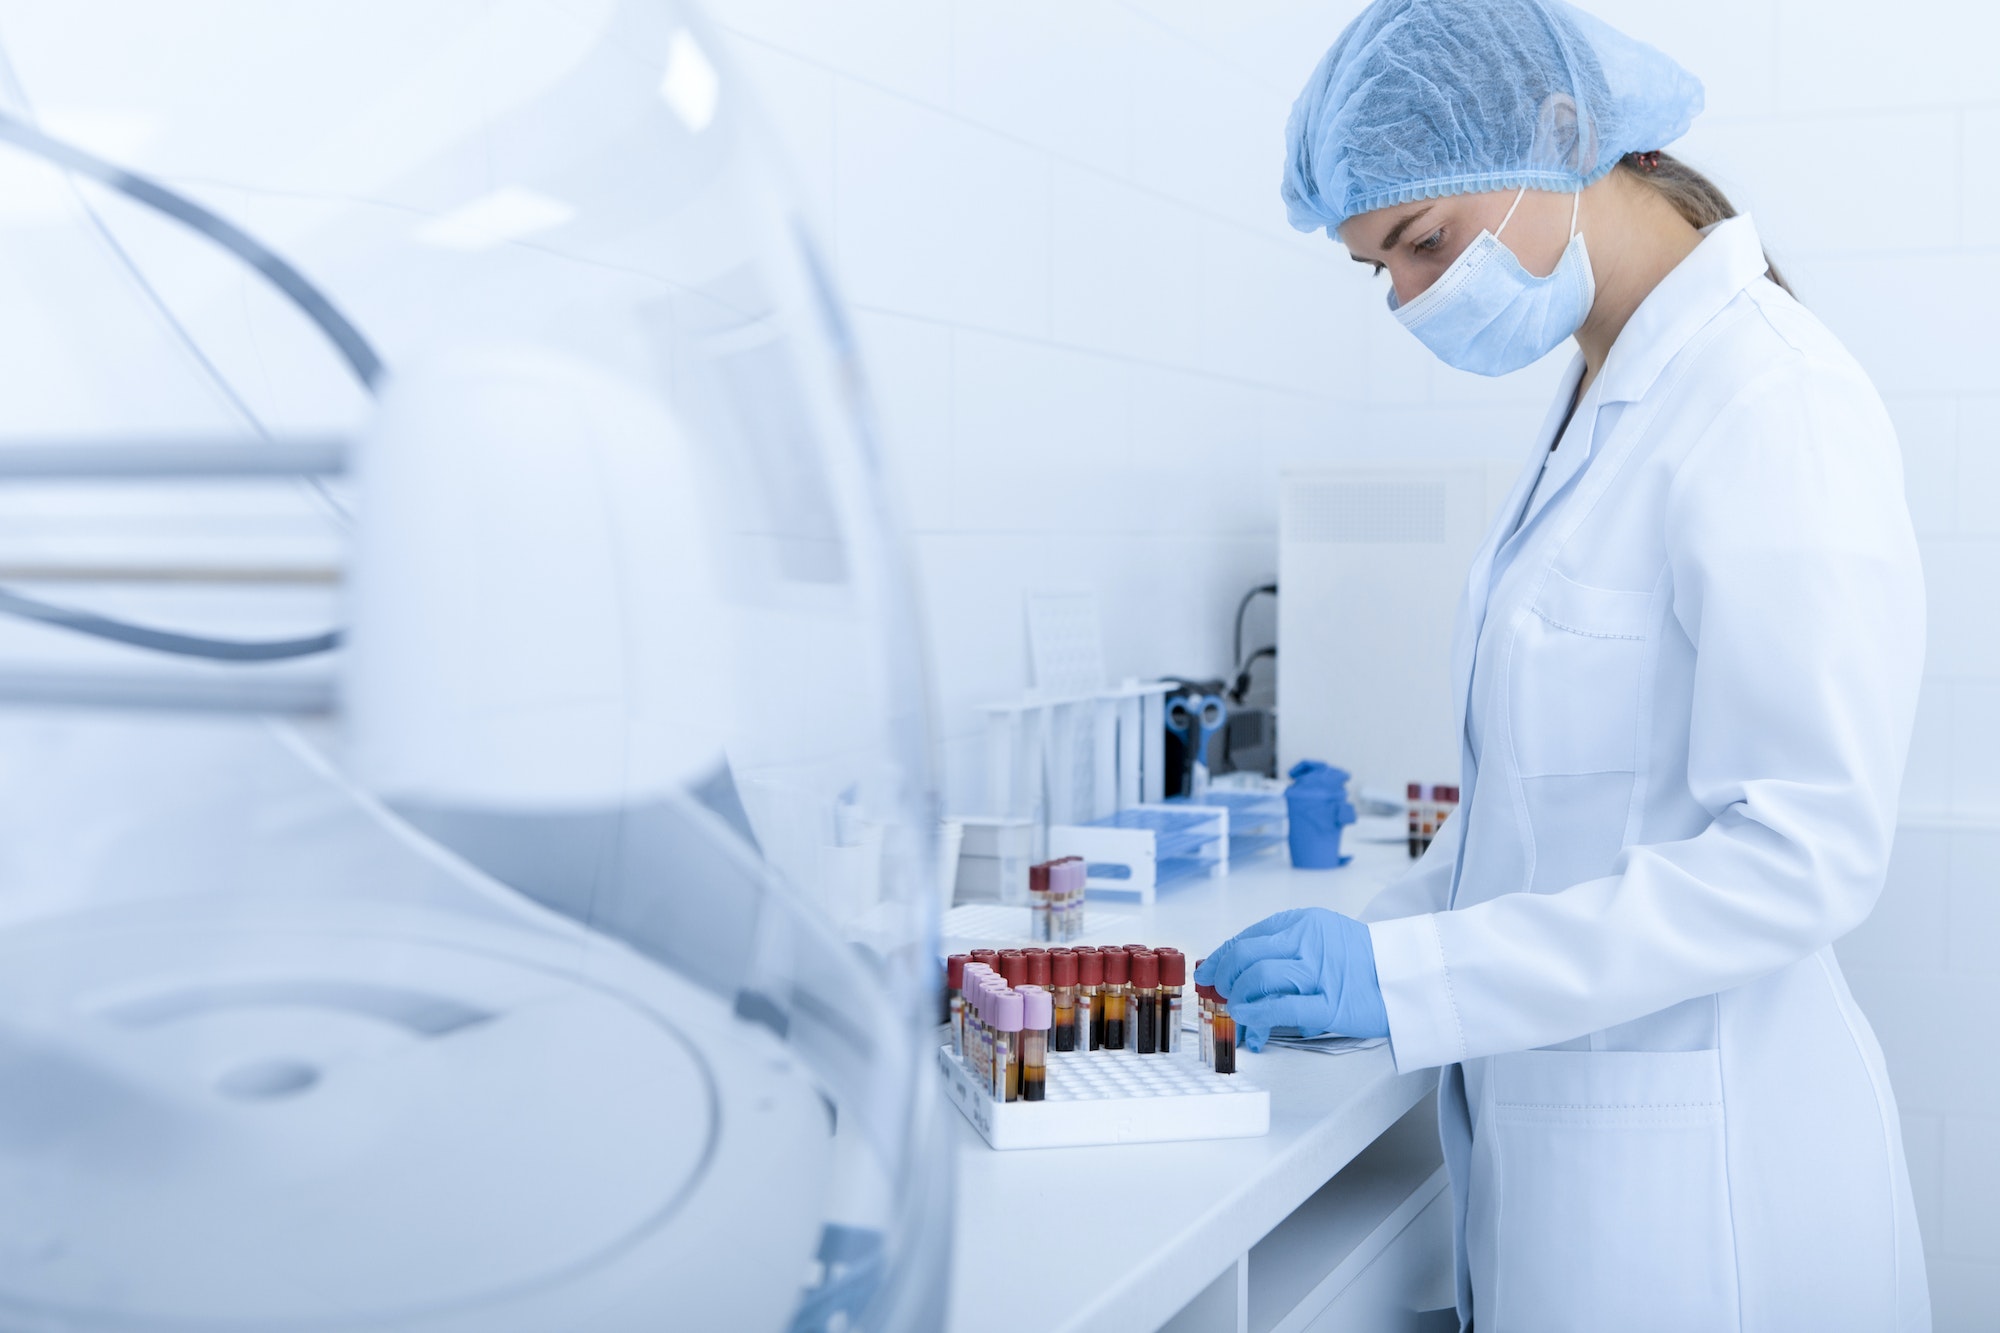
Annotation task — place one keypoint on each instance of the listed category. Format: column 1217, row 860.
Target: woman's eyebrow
column 1396, row 232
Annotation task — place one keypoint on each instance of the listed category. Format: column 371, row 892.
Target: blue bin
column 1317, row 809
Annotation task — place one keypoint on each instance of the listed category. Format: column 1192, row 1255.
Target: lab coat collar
column 1479, row 581
column 1578, row 440
column 1729, row 258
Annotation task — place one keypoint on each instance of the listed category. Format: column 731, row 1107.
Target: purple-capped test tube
column 1006, row 1007
column 1038, row 1015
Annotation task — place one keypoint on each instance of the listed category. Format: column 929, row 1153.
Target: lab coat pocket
column 1612, row 1194
column 1574, row 674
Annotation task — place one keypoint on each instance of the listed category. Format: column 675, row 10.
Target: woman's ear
column 1564, row 141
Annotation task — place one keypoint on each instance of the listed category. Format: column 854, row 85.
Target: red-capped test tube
column 1089, row 999
column 1013, row 967
column 1039, row 903
column 1145, row 1021
column 1114, row 994
column 1447, row 805
column 1063, row 1029
column 1132, row 1000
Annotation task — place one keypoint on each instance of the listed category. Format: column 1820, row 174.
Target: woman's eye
column 1380, row 268
column 1432, row 241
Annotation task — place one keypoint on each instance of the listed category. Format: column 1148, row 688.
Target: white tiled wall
column 1091, row 334
column 1094, row 340
column 1904, row 272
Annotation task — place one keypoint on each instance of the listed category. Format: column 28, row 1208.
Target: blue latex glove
column 1307, row 968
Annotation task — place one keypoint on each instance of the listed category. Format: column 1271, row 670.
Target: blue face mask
column 1488, row 315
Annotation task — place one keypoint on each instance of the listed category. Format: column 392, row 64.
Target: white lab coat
column 1697, row 667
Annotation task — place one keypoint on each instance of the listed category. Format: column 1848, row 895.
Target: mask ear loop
column 1575, row 210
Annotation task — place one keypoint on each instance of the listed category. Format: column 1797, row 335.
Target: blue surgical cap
column 1422, row 98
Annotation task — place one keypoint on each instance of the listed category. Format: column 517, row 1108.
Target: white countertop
column 1134, row 1231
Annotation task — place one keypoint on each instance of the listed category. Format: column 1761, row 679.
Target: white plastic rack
column 1108, row 1097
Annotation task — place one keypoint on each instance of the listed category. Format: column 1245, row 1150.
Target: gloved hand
column 1307, row 968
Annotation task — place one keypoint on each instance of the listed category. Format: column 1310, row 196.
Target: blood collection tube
column 1113, row 995
column 1173, row 977
column 1059, row 899
column 991, row 1049
column 968, row 1043
column 1038, row 902
column 1206, row 998
column 1416, row 793
column 988, row 957
column 1133, row 951
column 1062, row 969
column 1037, row 1016
column 1056, row 905
column 976, row 1035
column 976, row 976
column 1145, row 1020
column 954, row 987
column 994, row 1047
column 1447, row 805
column 1225, row 1037
column 1075, row 872
column 1007, row 1014
column 1013, row 967
column 1089, row 999
column 1039, row 961
column 975, row 1032
column 1058, row 902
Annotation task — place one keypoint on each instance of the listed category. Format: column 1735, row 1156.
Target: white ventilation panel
column 1364, row 509
column 1371, row 562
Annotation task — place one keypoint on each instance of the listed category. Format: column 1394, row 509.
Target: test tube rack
column 1137, row 849
column 1103, row 1097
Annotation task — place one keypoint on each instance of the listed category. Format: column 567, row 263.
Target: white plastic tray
column 1114, row 1097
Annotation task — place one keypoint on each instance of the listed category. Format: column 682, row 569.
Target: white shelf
column 1316, row 1253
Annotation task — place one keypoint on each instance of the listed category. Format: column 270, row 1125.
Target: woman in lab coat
column 1686, row 665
